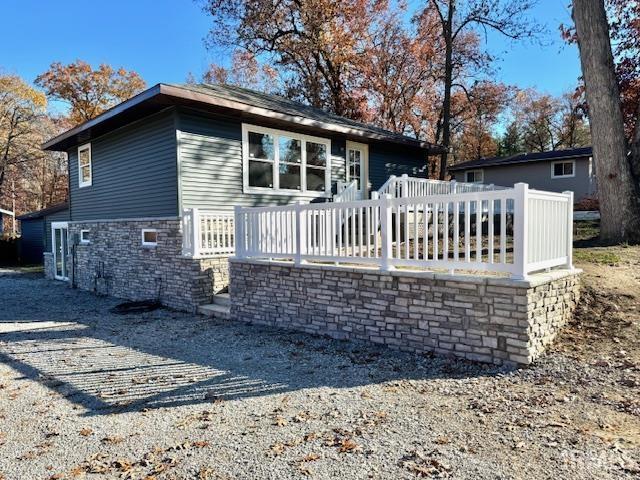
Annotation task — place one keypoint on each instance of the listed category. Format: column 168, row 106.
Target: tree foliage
column 28, row 176
column 89, row 92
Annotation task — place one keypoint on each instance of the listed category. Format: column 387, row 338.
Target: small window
column 475, row 176
column 84, row 165
column 149, row 238
column 562, row 169
column 84, row 237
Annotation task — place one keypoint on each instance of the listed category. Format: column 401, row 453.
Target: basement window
column 149, row 238
column 84, row 237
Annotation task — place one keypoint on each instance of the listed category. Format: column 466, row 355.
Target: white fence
column 207, row 233
column 405, row 187
column 515, row 231
column 347, row 192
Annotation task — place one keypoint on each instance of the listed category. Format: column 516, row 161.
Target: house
column 556, row 171
column 168, row 166
column 36, row 233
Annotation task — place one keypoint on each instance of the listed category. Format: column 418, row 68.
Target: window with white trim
column 280, row 161
column 84, row 165
column 474, row 176
column 84, row 237
column 149, row 237
column 563, row 169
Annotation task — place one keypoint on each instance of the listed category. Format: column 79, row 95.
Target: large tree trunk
column 617, row 189
column 448, row 84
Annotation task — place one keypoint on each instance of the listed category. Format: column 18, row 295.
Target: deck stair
column 220, row 308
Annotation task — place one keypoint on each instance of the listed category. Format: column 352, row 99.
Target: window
column 355, row 164
column 474, row 176
column 275, row 160
column 84, row 237
column 84, row 165
column 149, row 238
column 563, row 169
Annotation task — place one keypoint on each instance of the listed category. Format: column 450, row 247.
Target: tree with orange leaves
column 89, row 92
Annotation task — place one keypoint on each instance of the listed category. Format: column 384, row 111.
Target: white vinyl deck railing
column 405, row 187
column 207, row 233
column 515, row 231
column 347, row 192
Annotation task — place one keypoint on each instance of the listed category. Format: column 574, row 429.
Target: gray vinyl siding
column 32, row 240
column 61, row 216
column 134, row 173
column 210, row 159
column 538, row 176
column 388, row 159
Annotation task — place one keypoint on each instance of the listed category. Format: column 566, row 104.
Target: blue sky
column 163, row 41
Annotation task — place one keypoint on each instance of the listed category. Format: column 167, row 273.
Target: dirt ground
column 88, row 394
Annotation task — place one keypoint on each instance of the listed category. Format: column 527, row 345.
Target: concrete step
column 215, row 310
column 222, row 299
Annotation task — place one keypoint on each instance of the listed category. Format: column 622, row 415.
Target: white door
column 358, row 166
column 60, row 244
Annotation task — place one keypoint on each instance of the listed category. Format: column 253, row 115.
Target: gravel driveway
column 163, row 395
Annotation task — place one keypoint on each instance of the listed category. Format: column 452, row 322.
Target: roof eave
column 202, row 98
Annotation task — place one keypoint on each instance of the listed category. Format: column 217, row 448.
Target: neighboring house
column 37, row 233
column 140, row 172
column 556, row 171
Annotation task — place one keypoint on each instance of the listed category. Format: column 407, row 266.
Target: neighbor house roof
column 249, row 104
column 524, row 158
column 45, row 211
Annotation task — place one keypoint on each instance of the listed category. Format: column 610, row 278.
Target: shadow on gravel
column 112, row 363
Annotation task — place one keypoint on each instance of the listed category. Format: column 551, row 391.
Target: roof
column 524, row 158
column 249, row 104
column 44, row 212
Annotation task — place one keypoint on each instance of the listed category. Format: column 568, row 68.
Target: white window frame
column 84, row 241
column 476, row 172
column 149, row 244
column 573, row 169
column 276, row 190
column 81, row 184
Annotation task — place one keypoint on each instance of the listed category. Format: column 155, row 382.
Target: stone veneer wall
column 485, row 319
column 49, row 267
column 115, row 263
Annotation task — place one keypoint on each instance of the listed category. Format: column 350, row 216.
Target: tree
column 30, row 177
column 89, row 92
column 457, row 18
column 245, row 71
column 485, row 103
column 317, row 44
column 511, row 141
column 617, row 172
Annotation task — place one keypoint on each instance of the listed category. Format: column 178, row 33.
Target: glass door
column 357, row 166
column 60, row 249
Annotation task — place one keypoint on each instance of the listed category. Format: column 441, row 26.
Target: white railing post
column 187, row 232
column 569, row 195
column 453, row 186
column 520, row 234
column 196, row 240
column 405, row 186
column 385, row 232
column 300, row 231
column 239, row 223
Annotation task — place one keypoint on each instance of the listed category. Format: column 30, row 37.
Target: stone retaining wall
column 49, row 266
column 479, row 318
column 116, row 263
